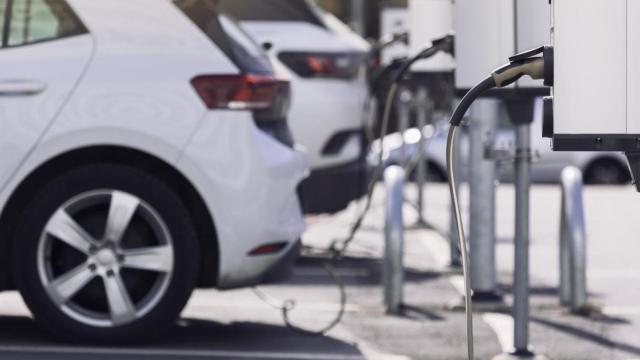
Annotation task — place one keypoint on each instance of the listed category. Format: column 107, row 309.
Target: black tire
column 606, row 172
column 177, row 284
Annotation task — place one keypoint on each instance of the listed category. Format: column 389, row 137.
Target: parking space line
column 502, row 326
column 230, row 354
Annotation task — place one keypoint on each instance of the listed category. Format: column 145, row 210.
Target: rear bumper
column 332, row 189
column 282, row 269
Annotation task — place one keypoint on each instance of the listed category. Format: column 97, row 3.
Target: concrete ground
column 238, row 325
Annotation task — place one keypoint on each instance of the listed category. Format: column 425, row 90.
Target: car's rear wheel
column 606, row 172
column 105, row 253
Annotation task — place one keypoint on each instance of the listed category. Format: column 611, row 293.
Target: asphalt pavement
column 238, row 325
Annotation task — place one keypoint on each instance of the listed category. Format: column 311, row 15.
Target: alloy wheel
column 105, row 258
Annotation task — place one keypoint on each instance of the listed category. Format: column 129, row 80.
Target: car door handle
column 21, row 87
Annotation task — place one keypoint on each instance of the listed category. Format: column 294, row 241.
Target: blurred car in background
column 597, row 167
column 145, row 152
column 325, row 61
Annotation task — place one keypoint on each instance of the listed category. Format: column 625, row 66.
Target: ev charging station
column 596, row 52
column 487, row 33
column 429, row 20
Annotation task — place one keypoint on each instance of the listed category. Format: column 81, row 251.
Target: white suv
column 144, row 151
column 325, row 61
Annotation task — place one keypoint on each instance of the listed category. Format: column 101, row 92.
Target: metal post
column 455, row 255
column 484, row 113
column 521, row 286
column 393, row 270
column 565, row 254
column 573, row 242
column 404, row 114
column 423, row 113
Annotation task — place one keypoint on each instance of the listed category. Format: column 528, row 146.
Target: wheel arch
column 604, row 158
column 203, row 219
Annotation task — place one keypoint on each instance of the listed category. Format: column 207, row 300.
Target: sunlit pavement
column 237, row 325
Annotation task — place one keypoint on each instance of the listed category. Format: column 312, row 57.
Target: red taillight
column 323, row 65
column 240, row 92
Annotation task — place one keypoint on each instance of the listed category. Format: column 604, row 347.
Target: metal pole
column 573, row 242
column 423, row 108
column 565, row 253
column 521, row 286
column 484, row 113
column 393, row 270
column 404, row 113
column 455, row 255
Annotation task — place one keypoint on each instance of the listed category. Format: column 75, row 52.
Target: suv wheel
column 105, row 253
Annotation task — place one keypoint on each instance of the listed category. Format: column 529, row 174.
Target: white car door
column 44, row 51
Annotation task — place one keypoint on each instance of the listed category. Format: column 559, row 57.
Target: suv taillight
column 242, row 92
column 323, row 65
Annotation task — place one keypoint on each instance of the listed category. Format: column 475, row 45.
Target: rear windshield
column 272, row 10
column 227, row 35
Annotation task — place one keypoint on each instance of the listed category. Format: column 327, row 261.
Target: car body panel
column 320, row 108
column 136, row 93
column 55, row 67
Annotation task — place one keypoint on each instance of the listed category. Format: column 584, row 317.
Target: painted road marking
column 52, row 350
column 502, row 325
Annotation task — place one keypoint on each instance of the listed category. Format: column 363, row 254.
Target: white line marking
column 177, row 352
column 458, row 282
column 502, row 325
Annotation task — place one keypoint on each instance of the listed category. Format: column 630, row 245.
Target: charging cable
column 338, row 248
column 519, row 66
column 445, row 44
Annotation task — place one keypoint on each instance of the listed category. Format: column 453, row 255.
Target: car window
column 243, row 47
column 273, row 10
column 33, row 21
column 227, row 35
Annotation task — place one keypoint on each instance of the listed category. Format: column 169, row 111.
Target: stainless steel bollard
column 521, row 281
column 393, row 269
column 482, row 202
column 573, row 242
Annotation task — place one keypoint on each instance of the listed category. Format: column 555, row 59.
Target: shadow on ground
column 21, row 338
column 354, row 271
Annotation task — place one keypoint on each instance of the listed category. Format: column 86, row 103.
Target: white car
column 597, row 167
column 325, row 61
column 144, row 152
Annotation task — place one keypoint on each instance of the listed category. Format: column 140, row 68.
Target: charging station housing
column 490, row 31
column 428, row 20
column 596, row 78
